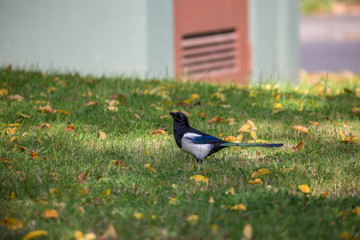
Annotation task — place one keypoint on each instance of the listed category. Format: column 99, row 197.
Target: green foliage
column 92, row 180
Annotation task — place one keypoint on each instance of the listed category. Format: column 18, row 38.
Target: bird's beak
column 172, row 114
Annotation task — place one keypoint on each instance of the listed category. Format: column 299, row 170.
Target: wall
column 87, row 36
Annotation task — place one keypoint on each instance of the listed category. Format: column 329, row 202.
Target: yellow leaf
column 250, row 125
column 16, row 138
column 106, row 192
column 173, row 201
column 355, row 110
column 219, row 96
column 110, row 233
column 253, row 135
column 239, row 207
column 239, row 137
column 150, row 168
column 323, row 194
column 33, row 154
column 51, row 213
column 34, row 234
column 199, row 178
column 230, row 139
column 344, row 235
column 278, row 106
column 202, row 114
column 231, row 190
column 12, row 195
column 17, row 97
column 62, row 111
column 247, row 232
column 10, row 131
column 260, row 172
column 153, row 217
column 174, row 186
column 256, row 181
column 216, row 119
column 193, row 97
column 301, row 129
column 102, row 135
column 300, row 145
column 51, row 89
column 214, row 228
column 304, row 188
column 11, row 223
column 356, row 210
column 138, row 216
column 277, row 96
column 193, row 219
column 3, row 92
column 211, row 199
column 91, row 103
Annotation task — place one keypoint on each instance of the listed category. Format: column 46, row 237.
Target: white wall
column 95, row 37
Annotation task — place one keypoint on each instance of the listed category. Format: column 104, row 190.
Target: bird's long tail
column 269, row 145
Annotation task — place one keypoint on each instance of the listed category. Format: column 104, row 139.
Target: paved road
column 330, row 43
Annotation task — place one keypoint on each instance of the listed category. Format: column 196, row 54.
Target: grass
column 71, row 169
column 321, row 6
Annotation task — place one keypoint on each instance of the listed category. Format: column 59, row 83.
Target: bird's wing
column 201, row 139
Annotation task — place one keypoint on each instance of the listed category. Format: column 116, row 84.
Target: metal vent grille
column 209, row 53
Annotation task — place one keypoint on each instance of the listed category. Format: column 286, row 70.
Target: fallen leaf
column 278, row 106
column 250, row 125
column 301, row 129
column 356, row 210
column 216, row 119
column 3, row 92
column 51, row 213
column 214, row 228
column 106, row 192
column 158, row 131
column 255, row 181
column 102, row 135
column 17, row 97
column 150, row 168
column 63, row 111
column 110, row 233
column 81, row 209
column 116, row 163
column 34, row 154
column 24, row 115
column 231, row 190
column 51, row 89
column 219, row 96
column 211, row 199
column 193, row 97
column 91, row 103
column 199, row 178
column 34, row 234
column 239, row 207
column 304, row 188
column 10, row 131
column 138, row 216
column 344, row 235
column 11, row 223
column 314, row 123
column 202, row 114
column 137, row 116
column 16, row 138
column 300, row 145
column 47, row 109
column 193, row 219
column 229, row 139
column 355, row 110
column 173, row 201
column 260, row 172
column 45, row 125
column 82, row 177
column 247, row 232
column 253, row 135
column 71, row 127
column 323, row 194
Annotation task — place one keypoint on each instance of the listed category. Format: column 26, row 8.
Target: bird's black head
column 179, row 118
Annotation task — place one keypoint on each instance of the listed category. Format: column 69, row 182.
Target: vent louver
column 209, row 53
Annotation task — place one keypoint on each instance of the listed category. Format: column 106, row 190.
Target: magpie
column 200, row 144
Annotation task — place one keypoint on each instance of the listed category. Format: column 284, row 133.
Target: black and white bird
column 202, row 145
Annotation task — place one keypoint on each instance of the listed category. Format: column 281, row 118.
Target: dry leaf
column 150, row 168
column 34, row 154
column 11, row 223
column 47, row 109
column 247, row 232
column 300, row 145
column 110, row 233
column 260, row 172
column 51, row 213
column 116, row 163
column 250, row 125
column 17, row 97
column 239, row 207
column 173, row 201
column 219, row 96
column 102, row 135
column 231, row 190
column 106, row 192
column 256, row 181
column 91, row 103
column 202, row 114
column 34, row 234
column 63, row 111
column 193, row 97
column 304, row 188
column 355, row 110
column 158, row 131
column 10, row 131
column 24, row 115
column 82, row 177
column 138, row 216
column 314, row 123
column 137, row 116
column 3, row 92
column 211, row 199
column 193, row 219
column 199, row 178
column 45, row 125
column 216, row 119
column 278, row 106
column 253, row 135
column 301, row 129
column 71, row 127
column 229, row 139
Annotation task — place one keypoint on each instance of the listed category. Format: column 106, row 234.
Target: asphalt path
column 330, row 43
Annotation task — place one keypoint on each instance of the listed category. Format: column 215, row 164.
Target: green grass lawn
column 74, row 152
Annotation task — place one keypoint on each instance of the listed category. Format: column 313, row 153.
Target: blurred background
column 330, row 35
column 237, row 40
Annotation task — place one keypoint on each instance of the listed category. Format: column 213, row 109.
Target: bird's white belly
column 200, row 151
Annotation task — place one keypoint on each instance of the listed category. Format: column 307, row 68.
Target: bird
column 200, row 144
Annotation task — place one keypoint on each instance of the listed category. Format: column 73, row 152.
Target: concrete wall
column 88, row 36
column 274, row 36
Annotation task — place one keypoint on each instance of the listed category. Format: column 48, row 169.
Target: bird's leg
column 199, row 162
